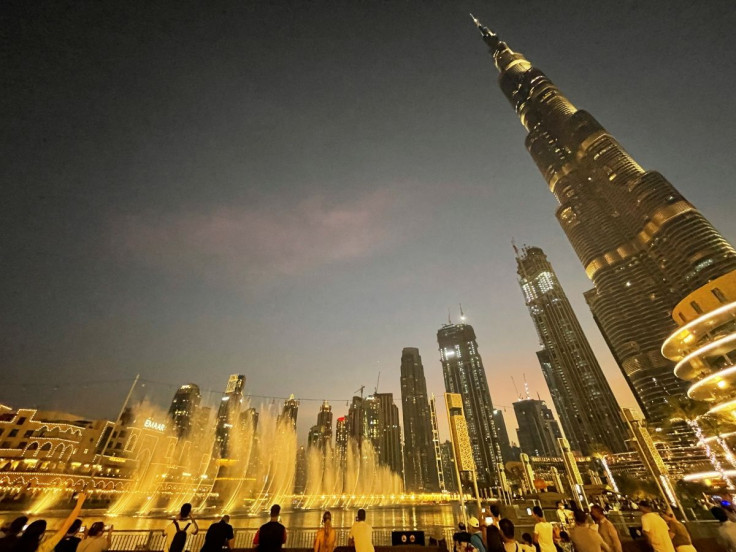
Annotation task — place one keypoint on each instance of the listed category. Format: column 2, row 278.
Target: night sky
column 296, row 191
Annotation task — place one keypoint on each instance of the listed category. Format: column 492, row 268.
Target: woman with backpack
column 177, row 531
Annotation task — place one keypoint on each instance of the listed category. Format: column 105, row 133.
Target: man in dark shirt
column 70, row 541
column 272, row 535
column 219, row 535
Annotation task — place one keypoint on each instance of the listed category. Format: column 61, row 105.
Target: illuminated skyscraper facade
column 582, row 397
column 228, row 412
column 420, row 462
column 462, row 368
column 290, row 411
column 643, row 245
column 183, row 408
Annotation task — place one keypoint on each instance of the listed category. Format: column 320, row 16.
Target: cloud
column 255, row 243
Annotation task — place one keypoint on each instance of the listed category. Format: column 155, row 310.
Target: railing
column 153, row 539
column 303, row 537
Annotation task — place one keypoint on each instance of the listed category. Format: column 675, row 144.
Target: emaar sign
column 150, row 424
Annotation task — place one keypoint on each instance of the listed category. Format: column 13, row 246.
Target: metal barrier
column 153, row 539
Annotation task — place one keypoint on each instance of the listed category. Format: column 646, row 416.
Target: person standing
column 506, row 527
column 606, row 529
column 543, row 533
column 96, row 541
column 561, row 514
column 271, row 536
column 326, row 536
column 476, row 537
column 30, row 540
column 11, row 532
column 726, row 530
column 494, row 539
column 180, row 527
column 461, row 539
column 361, row 534
column 679, row 534
column 70, row 541
column 219, row 535
column 584, row 538
column 527, row 544
column 655, row 529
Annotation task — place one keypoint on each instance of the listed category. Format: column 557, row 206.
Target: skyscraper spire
column 489, row 37
column 642, row 244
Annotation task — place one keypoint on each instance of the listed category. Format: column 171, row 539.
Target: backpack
column 180, row 538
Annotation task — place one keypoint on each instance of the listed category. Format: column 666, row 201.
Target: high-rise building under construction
column 643, row 245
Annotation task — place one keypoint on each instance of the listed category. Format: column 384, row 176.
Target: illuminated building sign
column 150, row 424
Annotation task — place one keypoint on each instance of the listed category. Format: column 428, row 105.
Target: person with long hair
column 326, row 536
column 96, row 541
column 70, row 541
column 11, row 533
column 30, row 541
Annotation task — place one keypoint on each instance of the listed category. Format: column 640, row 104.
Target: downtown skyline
column 351, row 285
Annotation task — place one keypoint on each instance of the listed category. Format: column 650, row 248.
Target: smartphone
column 489, row 521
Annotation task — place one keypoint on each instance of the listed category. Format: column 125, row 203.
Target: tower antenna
column 449, row 317
column 526, row 388
column 378, row 380
column 462, row 314
column 515, row 388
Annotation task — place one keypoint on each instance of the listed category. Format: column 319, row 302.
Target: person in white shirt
column 655, row 529
column 726, row 530
column 361, row 534
column 543, row 533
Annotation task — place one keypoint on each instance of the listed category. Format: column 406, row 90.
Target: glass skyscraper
column 462, row 368
column 583, row 399
column 643, row 245
column 420, row 462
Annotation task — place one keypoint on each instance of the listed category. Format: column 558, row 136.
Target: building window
column 13, row 433
column 5, row 445
column 22, row 444
column 21, row 421
column 719, row 295
column 696, row 307
column 28, row 433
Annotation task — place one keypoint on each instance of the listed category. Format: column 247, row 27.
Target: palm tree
column 684, row 409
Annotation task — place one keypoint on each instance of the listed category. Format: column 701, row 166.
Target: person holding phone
column 30, row 541
column 183, row 523
column 361, row 534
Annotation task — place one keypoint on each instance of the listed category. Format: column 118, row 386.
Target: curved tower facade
column 643, row 245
